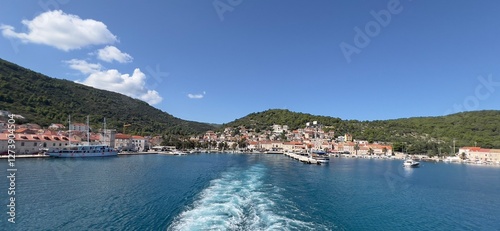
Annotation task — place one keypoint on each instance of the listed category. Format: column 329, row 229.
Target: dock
column 303, row 159
column 136, row 153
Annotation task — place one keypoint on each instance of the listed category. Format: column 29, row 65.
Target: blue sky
column 216, row 61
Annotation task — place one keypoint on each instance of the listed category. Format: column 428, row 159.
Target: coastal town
column 33, row 139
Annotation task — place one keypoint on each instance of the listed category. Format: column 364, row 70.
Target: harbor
column 149, row 192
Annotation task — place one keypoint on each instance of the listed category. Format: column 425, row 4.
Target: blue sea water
column 249, row 192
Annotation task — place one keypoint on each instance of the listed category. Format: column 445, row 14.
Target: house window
column 22, row 143
column 54, row 144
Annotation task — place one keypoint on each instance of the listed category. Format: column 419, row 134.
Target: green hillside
column 431, row 135
column 46, row 100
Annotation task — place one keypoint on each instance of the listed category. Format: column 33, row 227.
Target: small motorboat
column 411, row 163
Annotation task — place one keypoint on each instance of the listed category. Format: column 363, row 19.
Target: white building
column 480, row 154
column 78, row 127
column 280, row 128
column 139, row 143
column 108, row 137
column 56, row 127
column 33, row 143
column 123, row 142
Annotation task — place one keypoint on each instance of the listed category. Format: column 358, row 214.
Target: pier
column 136, row 153
column 303, row 159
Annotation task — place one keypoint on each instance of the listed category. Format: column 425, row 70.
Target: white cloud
column 112, row 80
column 196, row 96
column 83, row 66
column 110, row 53
column 62, row 31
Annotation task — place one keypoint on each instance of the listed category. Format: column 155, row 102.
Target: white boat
column 321, row 156
column 179, row 153
column 322, row 159
column 73, row 151
column 172, row 152
column 83, row 151
column 411, row 163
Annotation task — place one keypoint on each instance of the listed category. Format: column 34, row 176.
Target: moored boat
column 321, row 156
column 83, row 151
column 87, row 150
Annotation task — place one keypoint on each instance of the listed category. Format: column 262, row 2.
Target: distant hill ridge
column 44, row 100
column 420, row 133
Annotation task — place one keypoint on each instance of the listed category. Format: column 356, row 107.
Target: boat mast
column 104, row 131
column 69, row 130
column 88, row 131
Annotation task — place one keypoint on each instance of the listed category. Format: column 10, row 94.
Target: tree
column 384, row 150
column 283, row 136
column 221, row 145
column 371, row 151
column 356, row 148
column 431, row 153
column 234, row 145
column 463, row 156
column 398, row 147
column 236, row 131
column 242, row 143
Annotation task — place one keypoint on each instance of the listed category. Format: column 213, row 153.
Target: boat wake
column 239, row 200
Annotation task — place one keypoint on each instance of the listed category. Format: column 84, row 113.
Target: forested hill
column 422, row 134
column 45, row 100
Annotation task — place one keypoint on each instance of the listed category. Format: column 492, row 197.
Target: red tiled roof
column 122, row 136
column 472, row 148
column 21, row 130
column 36, row 138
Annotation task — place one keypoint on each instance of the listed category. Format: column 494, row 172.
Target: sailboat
column 87, row 150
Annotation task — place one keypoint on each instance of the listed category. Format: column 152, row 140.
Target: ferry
column 83, row 151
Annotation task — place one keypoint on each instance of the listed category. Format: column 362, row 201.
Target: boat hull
column 83, row 151
column 411, row 165
column 77, row 155
column 322, row 160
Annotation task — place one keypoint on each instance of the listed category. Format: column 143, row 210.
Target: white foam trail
column 239, row 200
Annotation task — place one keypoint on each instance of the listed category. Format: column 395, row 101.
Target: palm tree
column 384, row 150
column 463, row 156
column 356, row 148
